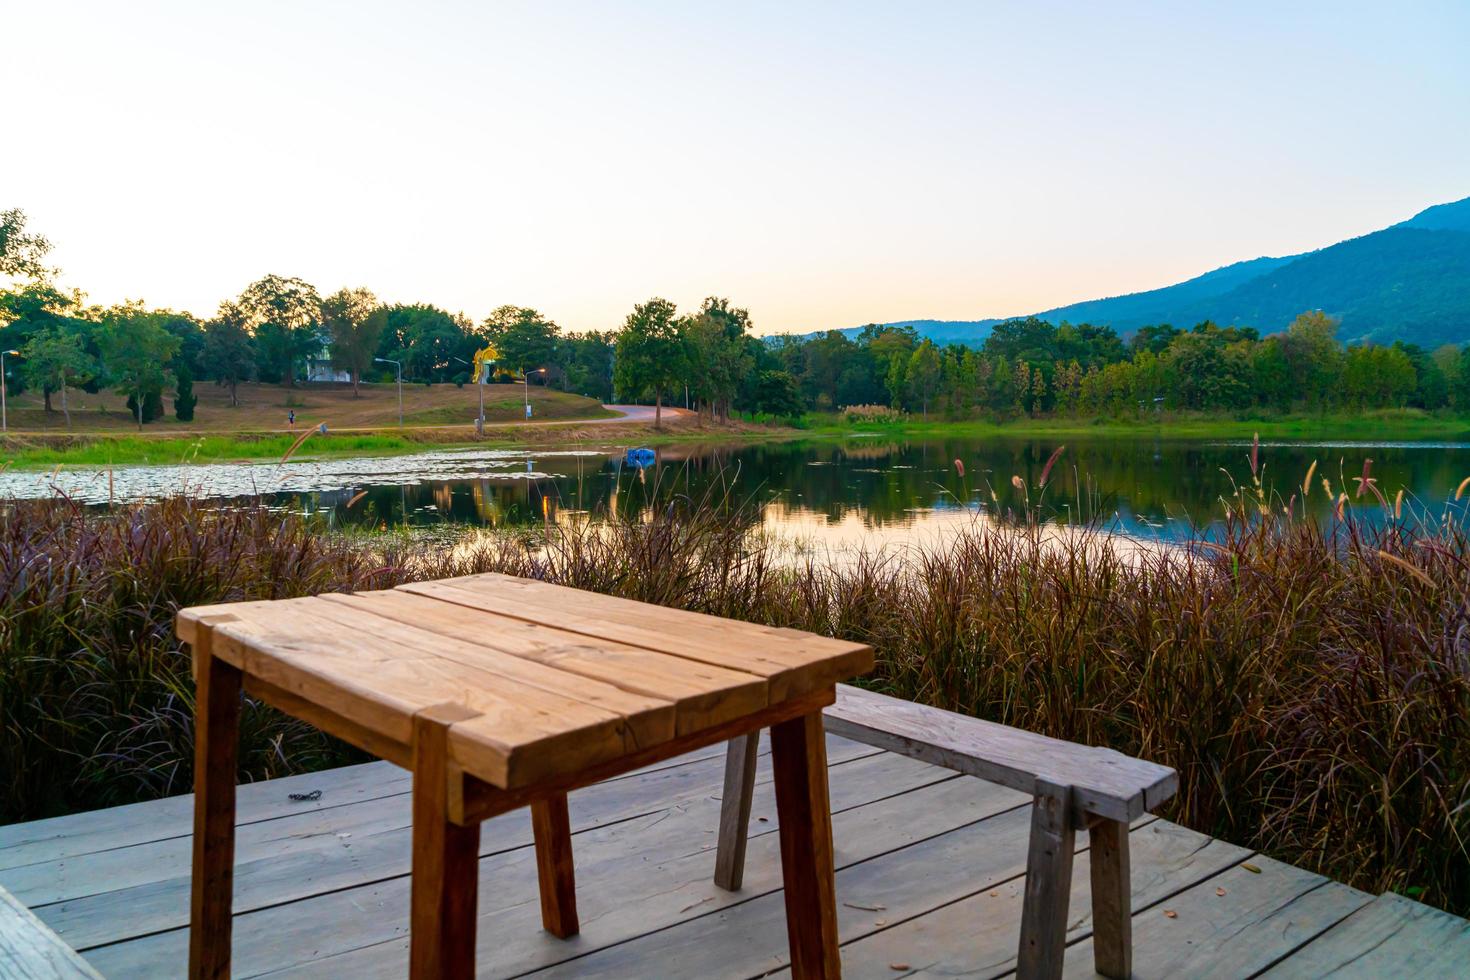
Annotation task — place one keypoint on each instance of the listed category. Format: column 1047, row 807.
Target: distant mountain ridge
column 1410, row 281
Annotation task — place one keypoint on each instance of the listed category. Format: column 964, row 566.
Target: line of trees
column 1032, row 367
column 281, row 330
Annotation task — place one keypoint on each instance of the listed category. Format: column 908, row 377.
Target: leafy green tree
column 428, row 340
column 587, row 359
column 777, row 393
column 22, row 253
column 284, row 316
column 355, row 323
column 54, row 357
column 184, row 397
column 1313, row 357
column 524, row 339
column 924, row 374
column 897, row 380
column 650, row 353
column 136, row 349
column 717, row 354
column 229, row 353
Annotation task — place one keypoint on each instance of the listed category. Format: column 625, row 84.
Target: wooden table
column 498, row 693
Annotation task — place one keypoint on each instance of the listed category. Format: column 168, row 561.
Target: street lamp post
column 526, row 386
column 480, row 384
column 4, row 418
column 399, row 366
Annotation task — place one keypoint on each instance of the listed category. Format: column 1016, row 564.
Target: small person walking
column 291, row 418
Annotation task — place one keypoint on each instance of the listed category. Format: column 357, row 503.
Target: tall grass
column 1311, row 683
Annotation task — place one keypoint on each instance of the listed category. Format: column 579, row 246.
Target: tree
column 524, row 339
column 184, row 397
column 587, row 359
column 135, row 352
column 428, row 340
column 284, row 316
column 717, row 353
column 777, row 393
column 53, row 357
column 924, row 373
column 650, row 353
column 355, row 322
column 22, row 253
column 228, row 350
column 1313, row 356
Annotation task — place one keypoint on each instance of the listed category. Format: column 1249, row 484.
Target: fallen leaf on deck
column 880, row 922
column 1171, row 913
column 898, row 966
column 1251, row 868
column 866, row 908
column 1219, row 891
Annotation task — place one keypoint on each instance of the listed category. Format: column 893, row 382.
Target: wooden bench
column 1073, row 786
column 31, row 951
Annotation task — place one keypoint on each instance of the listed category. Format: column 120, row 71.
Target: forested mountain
column 1408, row 282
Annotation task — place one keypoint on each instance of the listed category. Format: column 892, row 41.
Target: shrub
column 871, row 413
column 1310, row 683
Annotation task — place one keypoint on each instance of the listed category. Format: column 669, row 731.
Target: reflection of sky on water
column 831, row 494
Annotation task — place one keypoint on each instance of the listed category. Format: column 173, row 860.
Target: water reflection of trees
column 882, row 482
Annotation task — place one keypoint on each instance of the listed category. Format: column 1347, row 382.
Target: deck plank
column 943, row 855
column 1234, row 924
column 977, row 936
column 124, row 893
column 1391, row 936
column 632, row 877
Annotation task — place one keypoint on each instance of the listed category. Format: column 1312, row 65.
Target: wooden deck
column 929, row 879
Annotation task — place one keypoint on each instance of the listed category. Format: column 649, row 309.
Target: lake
column 830, row 492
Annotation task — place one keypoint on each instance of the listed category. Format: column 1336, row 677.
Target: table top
column 561, row 679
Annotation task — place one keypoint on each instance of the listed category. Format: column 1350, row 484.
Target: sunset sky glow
column 824, row 165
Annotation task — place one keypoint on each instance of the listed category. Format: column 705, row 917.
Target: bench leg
column 446, row 867
column 740, row 759
column 553, row 832
column 1112, row 911
column 799, row 758
column 216, row 748
column 1048, row 884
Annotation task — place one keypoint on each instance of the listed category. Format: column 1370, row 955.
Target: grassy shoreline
column 46, row 450
column 1378, row 425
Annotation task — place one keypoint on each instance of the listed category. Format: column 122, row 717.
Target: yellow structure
column 483, row 359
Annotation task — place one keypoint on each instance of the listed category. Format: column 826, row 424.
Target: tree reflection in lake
column 845, row 491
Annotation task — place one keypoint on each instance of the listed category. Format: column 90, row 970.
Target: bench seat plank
column 1104, row 782
column 30, row 951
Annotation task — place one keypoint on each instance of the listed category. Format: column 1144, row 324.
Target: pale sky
column 824, row 165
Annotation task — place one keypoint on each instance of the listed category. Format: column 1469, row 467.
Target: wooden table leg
column 446, row 866
column 740, row 759
column 216, row 748
column 799, row 758
column 552, row 829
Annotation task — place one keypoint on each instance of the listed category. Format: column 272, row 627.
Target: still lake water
column 828, row 493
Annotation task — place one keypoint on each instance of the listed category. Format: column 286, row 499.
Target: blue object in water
column 639, row 457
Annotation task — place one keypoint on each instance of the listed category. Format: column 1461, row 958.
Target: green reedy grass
column 106, row 451
column 1310, row 683
column 1378, row 424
